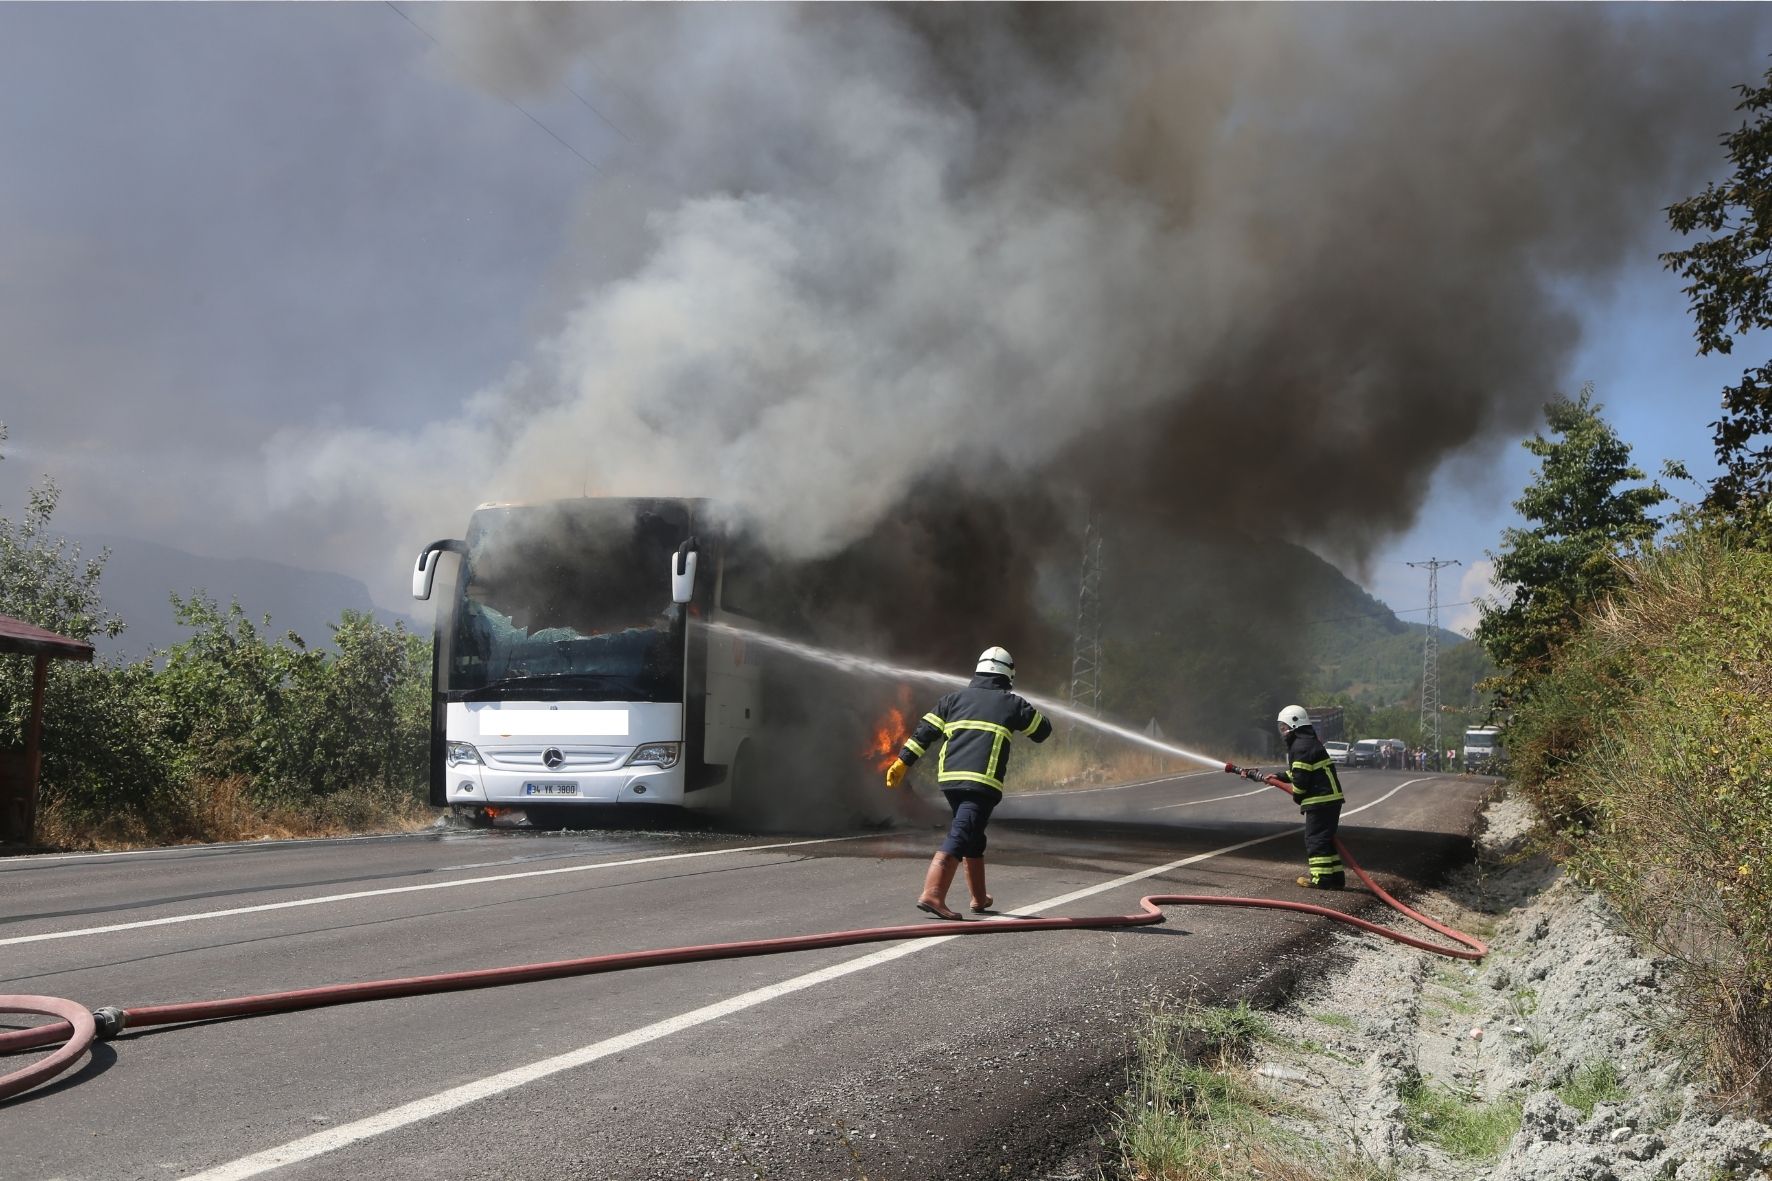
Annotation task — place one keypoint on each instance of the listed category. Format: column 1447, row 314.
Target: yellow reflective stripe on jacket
column 936, row 722
column 1035, row 724
column 999, row 737
column 968, row 777
column 989, row 727
column 915, row 747
column 1327, row 767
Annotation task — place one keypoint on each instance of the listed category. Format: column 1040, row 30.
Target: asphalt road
column 963, row 1058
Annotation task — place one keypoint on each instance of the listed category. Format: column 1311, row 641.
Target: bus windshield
column 569, row 600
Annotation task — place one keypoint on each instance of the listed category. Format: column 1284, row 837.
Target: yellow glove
column 896, row 772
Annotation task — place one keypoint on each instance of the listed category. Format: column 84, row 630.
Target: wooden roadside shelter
column 19, row 768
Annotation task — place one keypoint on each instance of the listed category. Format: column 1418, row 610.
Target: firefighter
column 975, row 726
column 1310, row 774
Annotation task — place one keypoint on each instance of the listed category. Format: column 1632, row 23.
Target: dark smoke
column 917, row 286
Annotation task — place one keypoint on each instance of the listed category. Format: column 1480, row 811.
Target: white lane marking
column 419, row 1110
column 1192, row 803
column 169, row 920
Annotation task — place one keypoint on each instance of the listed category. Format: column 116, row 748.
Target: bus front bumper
column 480, row 785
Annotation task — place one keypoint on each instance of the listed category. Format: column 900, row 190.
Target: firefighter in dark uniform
column 1311, row 775
column 974, row 726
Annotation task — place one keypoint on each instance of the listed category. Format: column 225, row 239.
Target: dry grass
column 213, row 810
column 1071, row 764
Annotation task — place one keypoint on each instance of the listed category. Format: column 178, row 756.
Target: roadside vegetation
column 1194, row 1112
column 1636, row 658
column 233, row 734
column 1643, row 745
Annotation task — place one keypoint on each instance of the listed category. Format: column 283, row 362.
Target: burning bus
column 567, row 670
column 572, row 670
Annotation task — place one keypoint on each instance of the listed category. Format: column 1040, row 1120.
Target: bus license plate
column 550, row 789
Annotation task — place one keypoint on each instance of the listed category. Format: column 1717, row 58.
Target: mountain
column 141, row 576
column 1209, row 634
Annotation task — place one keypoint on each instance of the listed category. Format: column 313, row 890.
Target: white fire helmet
column 997, row 660
column 1294, row 716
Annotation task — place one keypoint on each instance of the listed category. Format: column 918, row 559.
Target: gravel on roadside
column 1553, row 1034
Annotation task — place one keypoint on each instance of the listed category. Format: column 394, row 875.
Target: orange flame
column 889, row 735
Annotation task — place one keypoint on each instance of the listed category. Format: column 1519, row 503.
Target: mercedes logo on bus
column 552, row 757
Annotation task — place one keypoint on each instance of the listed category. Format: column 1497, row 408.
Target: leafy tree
column 372, row 710
column 1566, row 561
column 1730, row 287
column 101, row 746
column 42, row 577
column 230, row 695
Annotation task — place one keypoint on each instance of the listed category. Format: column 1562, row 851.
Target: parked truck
column 1482, row 749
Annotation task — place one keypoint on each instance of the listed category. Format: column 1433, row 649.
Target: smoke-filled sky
column 308, row 282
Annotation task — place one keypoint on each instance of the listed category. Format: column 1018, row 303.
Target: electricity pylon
column 1086, row 648
column 1430, row 654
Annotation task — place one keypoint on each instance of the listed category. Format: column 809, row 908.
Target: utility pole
column 1086, row 647
column 1430, row 654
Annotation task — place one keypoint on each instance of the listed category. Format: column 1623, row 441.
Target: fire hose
column 77, row 1027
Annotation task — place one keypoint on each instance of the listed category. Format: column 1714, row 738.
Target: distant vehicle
column 1338, row 752
column 1329, row 721
column 1363, row 753
column 1393, row 752
column 1482, row 749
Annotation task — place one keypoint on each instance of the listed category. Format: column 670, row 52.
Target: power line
column 1392, row 611
column 501, row 94
column 589, row 106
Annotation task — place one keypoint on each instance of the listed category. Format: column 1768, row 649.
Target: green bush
column 228, row 733
column 1645, row 744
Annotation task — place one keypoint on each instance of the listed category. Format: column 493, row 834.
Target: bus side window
column 743, row 581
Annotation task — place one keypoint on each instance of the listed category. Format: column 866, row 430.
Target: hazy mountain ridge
column 140, row 578
column 1209, row 636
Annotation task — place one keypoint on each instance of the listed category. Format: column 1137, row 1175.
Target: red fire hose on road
column 78, row 1027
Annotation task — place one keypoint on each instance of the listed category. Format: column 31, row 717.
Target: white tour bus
column 566, row 671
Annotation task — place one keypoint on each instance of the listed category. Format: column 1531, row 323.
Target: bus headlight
column 462, row 753
column 655, row 754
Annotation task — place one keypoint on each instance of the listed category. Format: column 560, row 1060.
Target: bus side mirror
column 683, row 573
column 424, row 571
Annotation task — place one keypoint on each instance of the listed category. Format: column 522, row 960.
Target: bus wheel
column 469, row 817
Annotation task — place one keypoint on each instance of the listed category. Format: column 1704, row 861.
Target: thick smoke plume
column 861, row 269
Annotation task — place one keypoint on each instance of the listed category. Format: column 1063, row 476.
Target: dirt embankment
column 1541, row 1063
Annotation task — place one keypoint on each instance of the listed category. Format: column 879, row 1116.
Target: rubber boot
column 981, row 901
column 935, row 886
